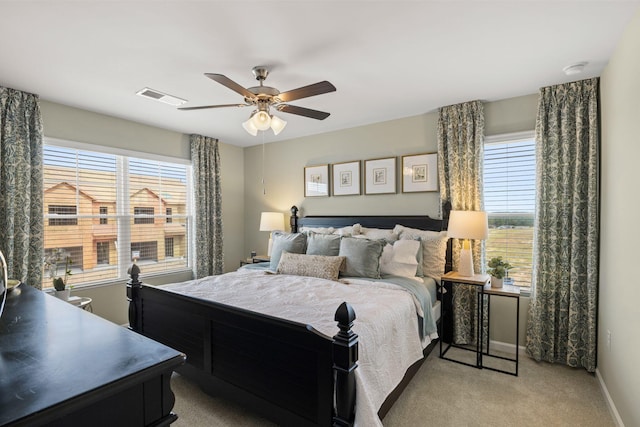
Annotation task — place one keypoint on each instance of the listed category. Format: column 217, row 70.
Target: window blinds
column 105, row 210
column 509, row 198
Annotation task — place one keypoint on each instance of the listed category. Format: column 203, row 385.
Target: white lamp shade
column 277, row 124
column 468, row 225
column 261, row 120
column 250, row 128
column 271, row 221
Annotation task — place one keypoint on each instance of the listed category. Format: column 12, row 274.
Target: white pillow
column 399, row 259
column 379, row 233
column 319, row 230
column 434, row 249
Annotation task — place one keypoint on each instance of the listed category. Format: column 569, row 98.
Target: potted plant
column 51, row 263
column 498, row 269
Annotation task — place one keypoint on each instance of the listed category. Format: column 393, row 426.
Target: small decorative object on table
column 498, row 270
column 51, row 265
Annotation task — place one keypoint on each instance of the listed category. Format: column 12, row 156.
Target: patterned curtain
column 460, row 154
column 208, row 205
column 21, row 187
column 563, row 309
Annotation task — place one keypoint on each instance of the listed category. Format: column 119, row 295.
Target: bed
column 289, row 371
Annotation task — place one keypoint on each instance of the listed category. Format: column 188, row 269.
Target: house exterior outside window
column 105, row 205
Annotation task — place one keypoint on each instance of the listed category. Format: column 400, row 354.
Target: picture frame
column 420, row 173
column 316, row 181
column 346, row 178
column 380, row 176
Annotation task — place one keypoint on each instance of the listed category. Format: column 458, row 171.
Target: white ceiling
column 388, row 59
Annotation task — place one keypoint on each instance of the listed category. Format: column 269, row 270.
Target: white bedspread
column 385, row 321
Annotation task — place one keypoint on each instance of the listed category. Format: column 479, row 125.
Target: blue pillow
column 294, row 243
column 362, row 256
column 323, row 244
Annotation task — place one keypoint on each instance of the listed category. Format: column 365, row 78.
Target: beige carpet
column 444, row 393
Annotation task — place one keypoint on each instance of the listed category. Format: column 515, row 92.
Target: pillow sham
column 290, row 242
column 323, row 267
column 400, row 259
column 362, row 257
column 323, row 244
column 434, row 249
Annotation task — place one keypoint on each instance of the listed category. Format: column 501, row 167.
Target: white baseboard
column 607, row 398
column 505, row 347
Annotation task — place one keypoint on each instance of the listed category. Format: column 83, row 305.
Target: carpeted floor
column 444, row 393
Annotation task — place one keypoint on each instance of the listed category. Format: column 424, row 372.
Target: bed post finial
column 293, row 220
column 133, row 287
column 345, row 356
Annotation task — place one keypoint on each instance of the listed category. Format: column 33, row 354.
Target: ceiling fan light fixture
column 249, row 127
column 277, row 124
column 261, row 120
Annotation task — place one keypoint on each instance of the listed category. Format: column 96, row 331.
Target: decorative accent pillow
column 324, row 267
column 323, row 244
column 290, row 242
column 434, row 249
column 400, row 259
column 362, row 256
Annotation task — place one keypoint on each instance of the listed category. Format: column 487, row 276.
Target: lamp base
column 465, row 266
column 269, row 247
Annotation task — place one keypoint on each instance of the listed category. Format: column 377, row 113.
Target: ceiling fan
column 265, row 97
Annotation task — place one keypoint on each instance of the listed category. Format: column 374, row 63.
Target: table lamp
column 467, row 225
column 271, row 221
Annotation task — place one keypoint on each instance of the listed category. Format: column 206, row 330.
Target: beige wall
column 619, row 297
column 72, row 124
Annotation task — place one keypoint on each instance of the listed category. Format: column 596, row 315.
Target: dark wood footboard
column 281, row 369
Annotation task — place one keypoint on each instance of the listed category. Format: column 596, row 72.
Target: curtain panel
column 21, row 185
column 460, row 157
column 205, row 158
column 563, row 310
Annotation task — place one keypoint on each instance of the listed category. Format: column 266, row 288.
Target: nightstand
column 448, row 281
column 508, row 291
column 256, row 259
column 483, row 287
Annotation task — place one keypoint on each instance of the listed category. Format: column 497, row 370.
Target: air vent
column 160, row 96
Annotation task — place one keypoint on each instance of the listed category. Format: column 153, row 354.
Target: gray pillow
column 323, row 244
column 363, row 256
column 290, row 242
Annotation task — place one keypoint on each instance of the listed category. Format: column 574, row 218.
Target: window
column 144, row 251
column 59, row 210
column 168, row 247
column 509, row 199
column 104, row 211
column 146, row 219
column 169, row 212
column 75, row 253
column 102, row 250
column 107, row 204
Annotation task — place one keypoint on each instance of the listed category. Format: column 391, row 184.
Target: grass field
column 515, row 246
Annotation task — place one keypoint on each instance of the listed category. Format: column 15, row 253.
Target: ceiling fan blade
column 226, row 81
column 301, row 111
column 307, row 91
column 202, row 107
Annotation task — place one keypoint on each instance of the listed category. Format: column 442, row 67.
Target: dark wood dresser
column 63, row 366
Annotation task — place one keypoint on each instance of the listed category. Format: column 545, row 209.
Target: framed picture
column 380, row 176
column 420, row 173
column 316, row 181
column 346, row 178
